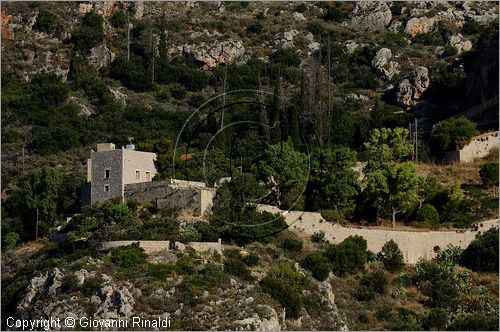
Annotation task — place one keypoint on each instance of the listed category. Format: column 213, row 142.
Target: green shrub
column 90, row 33
column 164, row 95
column 349, row 256
column 91, row 286
column 392, row 257
column 293, row 245
column 9, row 240
column 333, row 13
column 118, row 19
column 318, row 264
column 210, row 276
column 237, row 268
column 451, row 134
column 49, row 23
column 255, row 28
column 437, row 319
column 450, row 256
column 285, row 285
column 287, row 57
column 189, row 234
column 472, row 27
column 70, row 284
column 251, row 259
column 428, row 214
column 178, row 91
column 482, row 253
column 429, row 38
column 475, row 322
column 159, row 272
column 128, row 257
column 450, row 50
column 489, row 173
column 197, row 100
column 316, row 28
column 370, row 285
column 318, row 237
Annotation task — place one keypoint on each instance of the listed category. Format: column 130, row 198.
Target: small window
column 106, row 188
column 137, row 175
column 148, row 176
column 106, row 174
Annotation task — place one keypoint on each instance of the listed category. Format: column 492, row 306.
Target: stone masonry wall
column 479, row 147
column 413, row 244
column 154, row 247
column 101, row 161
column 192, row 200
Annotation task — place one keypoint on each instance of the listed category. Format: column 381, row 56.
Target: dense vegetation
column 305, row 143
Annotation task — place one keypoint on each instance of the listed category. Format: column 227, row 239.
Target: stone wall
column 413, row 244
column 155, row 247
column 138, row 161
column 101, row 161
column 192, row 200
column 479, row 147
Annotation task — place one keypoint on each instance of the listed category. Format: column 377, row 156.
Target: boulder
column 299, row 17
column 35, row 287
column 460, row 43
column 418, row 25
column 412, row 88
column 101, row 56
column 383, row 65
column 212, row 54
column 370, row 16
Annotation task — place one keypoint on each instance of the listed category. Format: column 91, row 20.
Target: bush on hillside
column 489, row 174
column 348, row 256
column 293, row 245
column 318, row 264
column 129, row 257
column 482, row 253
column 428, row 215
column 370, row 285
column 392, row 257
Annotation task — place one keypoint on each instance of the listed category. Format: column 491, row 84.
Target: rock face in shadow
column 482, row 79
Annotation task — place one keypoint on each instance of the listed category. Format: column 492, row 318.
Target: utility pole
column 23, row 161
column 152, row 55
column 223, row 97
column 36, row 226
column 329, row 122
column 412, row 144
column 416, row 140
column 128, row 36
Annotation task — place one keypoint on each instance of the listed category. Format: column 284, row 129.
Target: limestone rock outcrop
column 460, row 43
column 419, row 25
column 383, row 65
column 101, row 56
column 370, row 16
column 412, row 88
column 212, row 55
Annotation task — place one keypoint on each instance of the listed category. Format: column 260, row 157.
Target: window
column 148, row 176
column 106, row 174
column 106, row 188
column 137, row 175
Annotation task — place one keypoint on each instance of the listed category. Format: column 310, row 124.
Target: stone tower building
column 109, row 170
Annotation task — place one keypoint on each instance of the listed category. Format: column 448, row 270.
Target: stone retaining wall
column 479, row 147
column 413, row 244
column 155, row 247
column 192, row 200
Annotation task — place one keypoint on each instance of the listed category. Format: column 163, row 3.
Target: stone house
column 127, row 174
column 109, row 170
